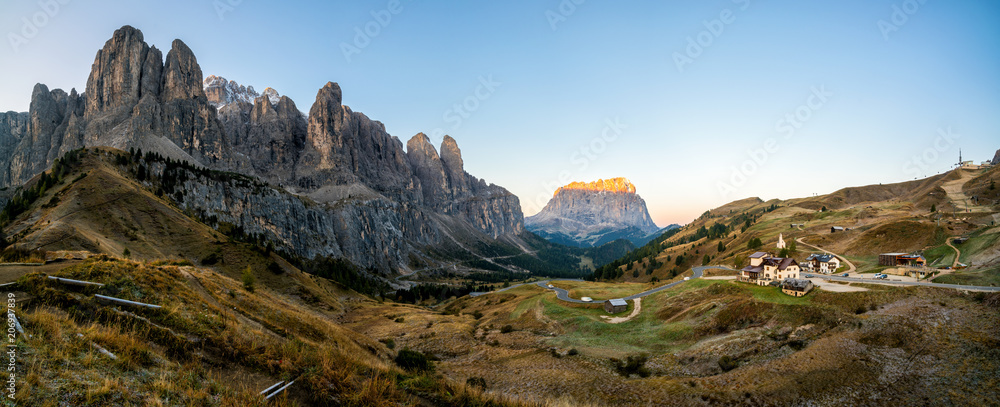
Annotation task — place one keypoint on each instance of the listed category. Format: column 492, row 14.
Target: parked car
column 844, row 275
column 586, row 299
column 687, row 278
column 809, row 276
column 551, row 286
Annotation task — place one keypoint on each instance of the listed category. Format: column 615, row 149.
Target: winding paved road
column 916, row 283
column 562, row 294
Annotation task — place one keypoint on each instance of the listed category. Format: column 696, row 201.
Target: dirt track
column 850, row 265
column 635, row 313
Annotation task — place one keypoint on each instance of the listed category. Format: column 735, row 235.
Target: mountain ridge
column 343, row 164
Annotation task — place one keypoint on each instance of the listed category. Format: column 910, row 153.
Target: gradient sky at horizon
column 680, row 134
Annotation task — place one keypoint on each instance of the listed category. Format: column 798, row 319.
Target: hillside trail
column 958, row 253
column 961, row 201
column 850, row 266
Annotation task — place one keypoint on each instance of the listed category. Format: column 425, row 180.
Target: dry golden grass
column 207, row 319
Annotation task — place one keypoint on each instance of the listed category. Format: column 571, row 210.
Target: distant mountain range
column 588, row 214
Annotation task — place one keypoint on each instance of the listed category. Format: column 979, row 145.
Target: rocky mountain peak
column 996, row 158
column 613, row 185
column 221, row 92
column 181, row 74
column 272, row 95
column 594, row 213
column 115, row 78
column 451, row 155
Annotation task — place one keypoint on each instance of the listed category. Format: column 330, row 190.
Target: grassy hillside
column 216, row 341
column 876, row 219
column 715, row 342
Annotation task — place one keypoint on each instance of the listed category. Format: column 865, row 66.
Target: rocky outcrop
column 53, row 127
column 188, row 119
column 132, row 100
column 374, row 234
column 996, row 158
column 345, row 147
column 448, row 189
column 270, row 135
column 428, row 169
column 222, row 92
column 594, row 213
column 13, row 129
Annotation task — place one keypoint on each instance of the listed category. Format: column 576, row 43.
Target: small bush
column 727, row 363
column 400, row 320
column 507, row 329
column 573, row 352
column 477, row 314
column 413, row 360
column 476, row 382
column 211, row 260
column 632, row 365
column 248, row 279
column 275, row 268
column 389, row 343
column 126, row 253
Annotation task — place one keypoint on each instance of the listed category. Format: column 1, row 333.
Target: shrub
column 211, row 260
column 632, row 365
column 389, row 343
column 126, row 253
column 507, row 329
column 727, row 363
column 573, row 352
column 400, row 320
column 248, row 279
column 477, row 314
column 413, row 360
column 275, row 268
column 476, row 382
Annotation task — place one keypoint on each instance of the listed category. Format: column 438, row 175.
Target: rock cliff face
column 996, row 158
column 591, row 214
column 448, row 189
column 340, row 185
column 132, row 100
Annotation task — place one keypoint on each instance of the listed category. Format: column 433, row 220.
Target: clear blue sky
column 886, row 90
